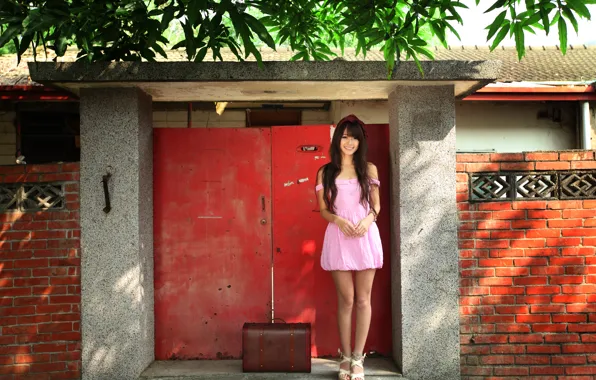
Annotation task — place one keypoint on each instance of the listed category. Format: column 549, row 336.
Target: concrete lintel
column 62, row 72
column 279, row 81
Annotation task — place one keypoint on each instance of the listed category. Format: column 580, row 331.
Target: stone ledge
column 62, row 72
column 376, row 369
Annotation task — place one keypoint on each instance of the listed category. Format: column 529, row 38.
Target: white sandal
column 357, row 363
column 344, row 374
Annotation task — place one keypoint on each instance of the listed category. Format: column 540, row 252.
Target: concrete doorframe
column 117, row 248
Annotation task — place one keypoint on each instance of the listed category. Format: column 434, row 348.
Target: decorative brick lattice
column 502, row 186
column 490, row 186
column 535, row 185
column 578, row 185
column 31, row 197
column 9, row 197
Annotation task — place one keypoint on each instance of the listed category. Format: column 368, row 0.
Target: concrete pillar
column 424, row 263
column 117, row 247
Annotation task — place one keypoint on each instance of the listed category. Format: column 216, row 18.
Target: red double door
column 230, row 205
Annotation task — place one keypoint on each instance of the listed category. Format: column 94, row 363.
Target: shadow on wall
column 525, row 286
column 117, row 282
column 110, row 342
column 40, row 279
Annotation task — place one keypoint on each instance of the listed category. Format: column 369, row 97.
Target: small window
column 270, row 118
column 49, row 135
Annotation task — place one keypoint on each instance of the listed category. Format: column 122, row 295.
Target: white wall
column 515, row 126
column 8, row 138
column 490, row 126
column 316, row 117
column 593, row 123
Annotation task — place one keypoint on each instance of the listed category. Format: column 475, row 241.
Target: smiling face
column 348, row 144
column 349, row 141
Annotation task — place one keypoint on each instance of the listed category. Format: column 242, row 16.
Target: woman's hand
column 346, row 227
column 362, row 227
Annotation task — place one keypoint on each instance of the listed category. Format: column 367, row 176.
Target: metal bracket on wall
column 106, row 192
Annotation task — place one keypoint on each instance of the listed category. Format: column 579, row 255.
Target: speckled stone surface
column 324, row 369
column 117, row 247
column 48, row 72
column 424, row 266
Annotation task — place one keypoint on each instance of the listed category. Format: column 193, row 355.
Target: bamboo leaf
column 500, row 36
column 496, row 24
column 519, row 40
column 563, row 35
column 569, row 15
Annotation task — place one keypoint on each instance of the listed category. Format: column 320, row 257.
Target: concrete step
column 375, row 369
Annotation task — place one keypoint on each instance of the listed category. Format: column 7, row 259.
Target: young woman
column 348, row 195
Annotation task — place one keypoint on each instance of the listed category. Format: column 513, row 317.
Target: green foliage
column 519, row 17
column 9, row 48
column 113, row 30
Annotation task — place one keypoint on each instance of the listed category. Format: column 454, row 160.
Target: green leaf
column 580, row 7
column 532, row 20
column 563, row 35
column 61, row 43
column 201, row 54
column 497, row 4
column 190, row 43
column 179, row 45
column 300, row 55
column 453, row 31
column 500, row 36
column 159, row 50
column 519, row 40
column 260, row 30
column 194, row 12
column 496, row 24
column 9, row 33
column 389, row 52
column 569, row 15
column 155, row 12
column 24, row 43
column 413, row 54
column 424, row 52
column 168, row 16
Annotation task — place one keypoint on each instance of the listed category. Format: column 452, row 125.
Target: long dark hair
column 354, row 128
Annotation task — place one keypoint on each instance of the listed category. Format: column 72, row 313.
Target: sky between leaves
column 475, row 20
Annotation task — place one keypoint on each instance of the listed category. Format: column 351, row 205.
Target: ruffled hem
column 343, row 253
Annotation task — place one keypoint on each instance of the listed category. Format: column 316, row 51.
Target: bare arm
column 375, row 202
column 375, row 198
column 325, row 213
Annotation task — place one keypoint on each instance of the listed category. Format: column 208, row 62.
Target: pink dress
column 344, row 253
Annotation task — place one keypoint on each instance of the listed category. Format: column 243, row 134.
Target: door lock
column 263, row 221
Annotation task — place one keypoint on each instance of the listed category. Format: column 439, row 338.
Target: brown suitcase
column 276, row 347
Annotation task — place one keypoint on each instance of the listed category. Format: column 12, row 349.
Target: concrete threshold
column 375, row 369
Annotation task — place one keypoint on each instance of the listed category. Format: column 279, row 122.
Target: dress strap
column 319, row 187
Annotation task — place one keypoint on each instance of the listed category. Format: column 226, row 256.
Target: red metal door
column 212, row 242
column 303, row 291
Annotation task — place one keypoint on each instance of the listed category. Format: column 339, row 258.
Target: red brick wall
column 40, row 282
column 528, row 277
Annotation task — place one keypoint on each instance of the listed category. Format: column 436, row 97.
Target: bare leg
column 345, row 302
column 364, row 281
